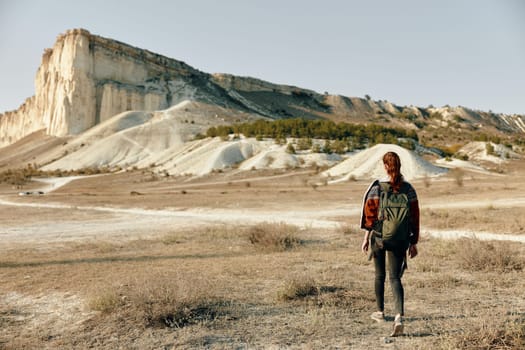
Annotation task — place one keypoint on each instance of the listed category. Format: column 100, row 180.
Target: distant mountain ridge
column 86, row 79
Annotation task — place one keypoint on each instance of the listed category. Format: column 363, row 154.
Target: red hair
column 393, row 169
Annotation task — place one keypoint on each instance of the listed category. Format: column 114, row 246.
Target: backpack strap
column 385, row 189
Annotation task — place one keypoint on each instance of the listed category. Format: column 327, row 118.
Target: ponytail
column 393, row 169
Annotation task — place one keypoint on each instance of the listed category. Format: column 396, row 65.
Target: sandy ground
column 113, row 208
column 43, row 219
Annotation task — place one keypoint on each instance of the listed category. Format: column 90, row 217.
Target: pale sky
column 409, row 52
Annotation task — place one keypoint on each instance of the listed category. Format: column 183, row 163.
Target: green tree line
column 315, row 129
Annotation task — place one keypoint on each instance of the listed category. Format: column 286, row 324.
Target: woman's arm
column 365, row 244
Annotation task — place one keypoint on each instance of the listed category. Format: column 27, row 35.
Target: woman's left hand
column 364, row 246
column 412, row 251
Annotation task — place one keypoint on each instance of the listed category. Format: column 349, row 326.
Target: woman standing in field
column 390, row 217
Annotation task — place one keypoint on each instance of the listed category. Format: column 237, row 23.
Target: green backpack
column 394, row 216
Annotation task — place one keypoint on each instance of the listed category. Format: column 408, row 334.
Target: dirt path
column 122, row 223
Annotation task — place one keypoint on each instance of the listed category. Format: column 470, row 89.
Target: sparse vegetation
column 449, row 151
column 171, row 286
column 427, row 181
column 489, row 148
column 348, row 229
column 304, row 144
column 106, row 301
column 479, row 255
column 492, row 334
column 327, row 148
column 274, row 237
column 21, row 176
column 489, row 219
column 156, row 301
column 279, row 130
column 458, row 175
column 172, row 303
column 163, row 292
column 298, row 288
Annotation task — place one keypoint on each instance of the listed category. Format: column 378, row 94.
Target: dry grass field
column 248, row 261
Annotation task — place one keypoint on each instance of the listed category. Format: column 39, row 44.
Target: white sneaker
column 378, row 316
column 398, row 326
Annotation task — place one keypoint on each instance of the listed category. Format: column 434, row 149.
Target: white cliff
column 86, row 79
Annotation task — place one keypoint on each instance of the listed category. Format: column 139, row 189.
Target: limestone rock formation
column 86, row 79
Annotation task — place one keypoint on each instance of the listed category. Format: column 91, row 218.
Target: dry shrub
column 427, row 181
column 489, row 218
column 220, row 232
column 171, row 304
column 274, row 236
column 172, row 301
column 494, row 335
column 477, row 255
column 213, row 233
column 106, row 301
column 21, row 176
column 306, row 289
column 440, row 281
column 348, row 229
column 298, row 288
column 453, row 149
column 16, row 177
column 458, row 174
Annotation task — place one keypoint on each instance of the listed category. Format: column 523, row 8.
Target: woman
column 396, row 253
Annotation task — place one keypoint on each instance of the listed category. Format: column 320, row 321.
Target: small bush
column 164, row 305
column 489, row 149
column 348, row 229
column 274, row 236
column 159, row 301
column 21, row 176
column 106, row 302
column 427, row 181
column 458, row 175
column 480, row 255
column 304, row 144
column 297, row 289
column 449, row 150
column 461, row 156
column 491, row 335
